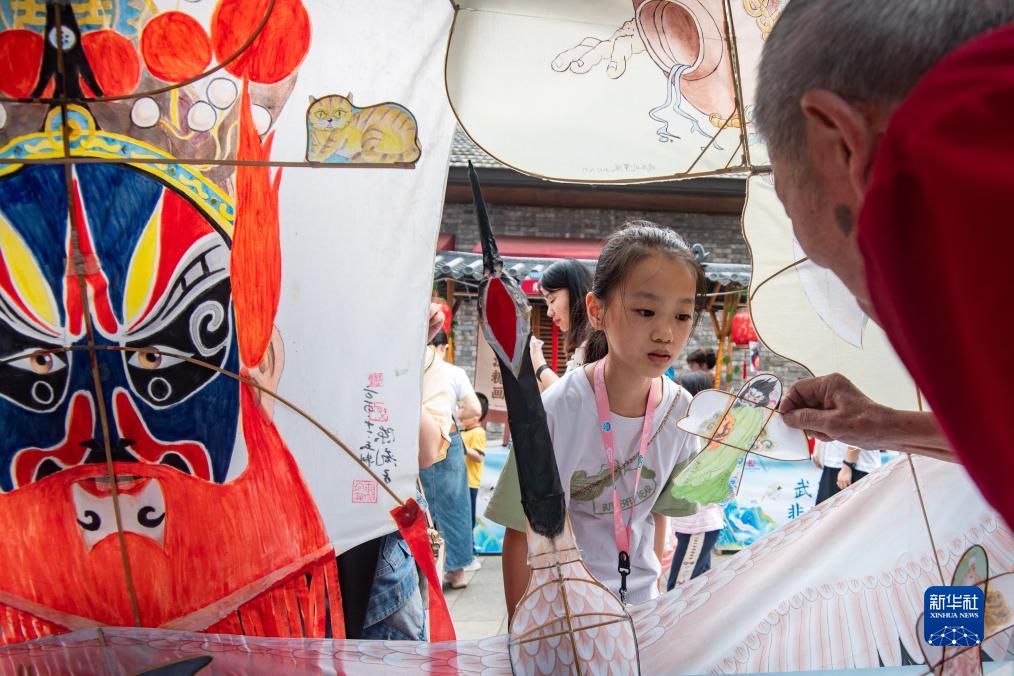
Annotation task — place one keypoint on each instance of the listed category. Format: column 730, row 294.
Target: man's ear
column 595, row 310
column 841, row 140
column 268, row 373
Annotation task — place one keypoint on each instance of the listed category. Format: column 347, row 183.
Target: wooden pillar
column 450, row 304
column 730, row 304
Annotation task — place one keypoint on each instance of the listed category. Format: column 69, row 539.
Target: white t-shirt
column 708, row 518
column 834, row 456
column 584, row 473
column 459, row 383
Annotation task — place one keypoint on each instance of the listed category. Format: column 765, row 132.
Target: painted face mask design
column 159, row 282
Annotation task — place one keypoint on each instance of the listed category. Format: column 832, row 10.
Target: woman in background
column 565, row 284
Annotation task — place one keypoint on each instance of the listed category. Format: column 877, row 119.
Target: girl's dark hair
column 573, row 276
column 703, row 357
column 624, row 249
column 440, row 339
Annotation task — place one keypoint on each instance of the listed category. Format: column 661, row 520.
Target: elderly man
column 887, row 128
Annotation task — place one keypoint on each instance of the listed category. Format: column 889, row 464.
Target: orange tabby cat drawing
column 338, row 132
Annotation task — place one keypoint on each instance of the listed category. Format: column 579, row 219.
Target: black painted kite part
column 542, row 494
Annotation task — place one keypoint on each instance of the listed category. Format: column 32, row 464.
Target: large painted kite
column 196, row 418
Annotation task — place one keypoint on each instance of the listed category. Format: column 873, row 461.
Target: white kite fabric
column 806, row 314
column 627, row 91
column 602, row 91
column 812, row 595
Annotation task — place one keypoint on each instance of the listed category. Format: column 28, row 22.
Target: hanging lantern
column 742, row 328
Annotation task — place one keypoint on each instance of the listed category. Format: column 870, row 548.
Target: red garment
column 937, row 235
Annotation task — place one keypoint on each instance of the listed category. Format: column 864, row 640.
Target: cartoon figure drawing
column 730, row 427
column 339, row 132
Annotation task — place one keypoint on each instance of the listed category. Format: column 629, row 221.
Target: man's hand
column 832, row 408
column 436, row 321
column 844, row 477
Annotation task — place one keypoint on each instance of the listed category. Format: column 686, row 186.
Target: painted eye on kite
column 154, row 358
column 35, row 377
column 41, row 362
column 156, row 361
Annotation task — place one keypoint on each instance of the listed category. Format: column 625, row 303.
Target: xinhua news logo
column 954, row 616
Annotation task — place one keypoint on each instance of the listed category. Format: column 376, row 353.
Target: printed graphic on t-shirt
column 596, row 489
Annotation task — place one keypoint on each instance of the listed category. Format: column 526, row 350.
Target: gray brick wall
column 720, row 234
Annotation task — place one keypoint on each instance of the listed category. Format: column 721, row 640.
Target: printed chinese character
column 795, row 510
column 802, row 488
column 936, row 602
column 969, row 602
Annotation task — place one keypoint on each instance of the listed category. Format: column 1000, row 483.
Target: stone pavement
column 479, row 610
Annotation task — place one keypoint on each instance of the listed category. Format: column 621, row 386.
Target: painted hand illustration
column 618, row 48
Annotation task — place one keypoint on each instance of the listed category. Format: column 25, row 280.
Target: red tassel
column 412, row 525
column 256, row 265
column 334, row 594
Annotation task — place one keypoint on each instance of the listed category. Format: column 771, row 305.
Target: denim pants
column 446, row 486
column 395, row 609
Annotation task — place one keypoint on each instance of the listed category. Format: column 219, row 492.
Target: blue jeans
column 395, row 609
column 446, row 487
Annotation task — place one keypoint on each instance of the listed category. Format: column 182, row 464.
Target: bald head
column 868, row 52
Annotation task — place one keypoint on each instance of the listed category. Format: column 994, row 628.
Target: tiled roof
column 466, row 268
column 463, row 150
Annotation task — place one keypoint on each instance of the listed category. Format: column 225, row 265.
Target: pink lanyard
column 621, row 531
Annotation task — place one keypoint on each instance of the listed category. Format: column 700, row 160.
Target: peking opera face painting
column 139, row 235
column 179, row 433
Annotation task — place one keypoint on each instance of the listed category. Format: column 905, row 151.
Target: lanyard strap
column 621, row 531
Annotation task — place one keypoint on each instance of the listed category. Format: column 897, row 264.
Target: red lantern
column 742, row 328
